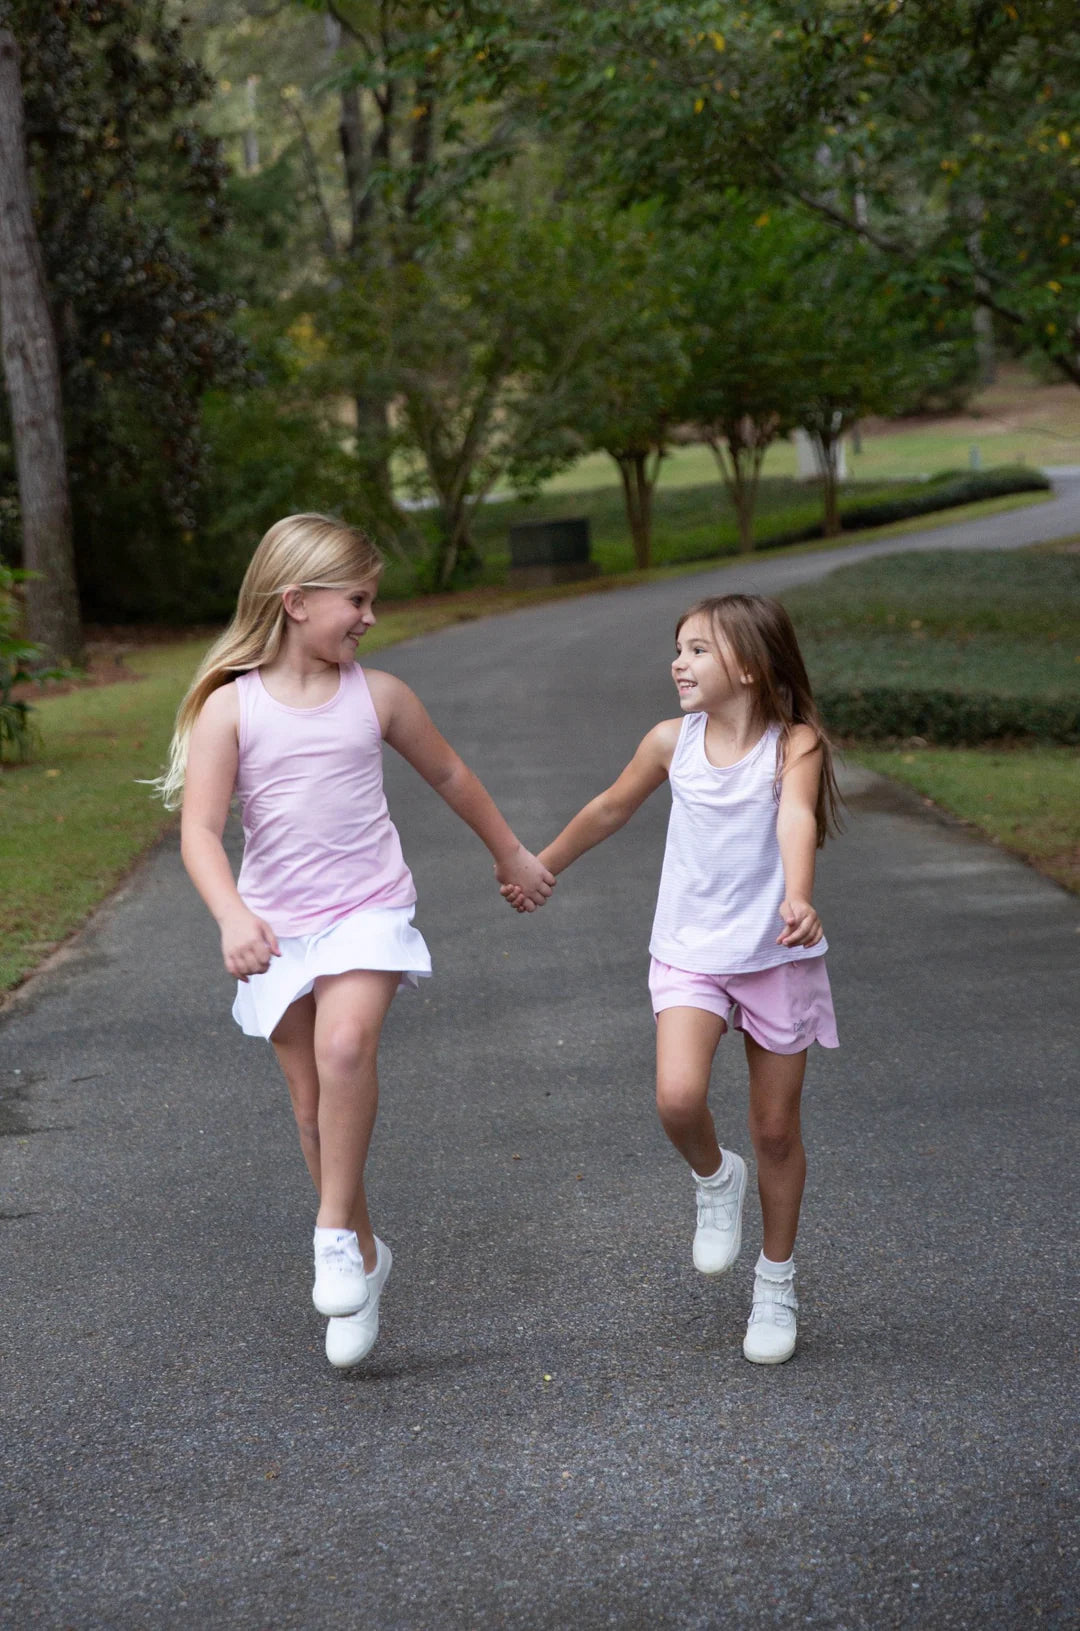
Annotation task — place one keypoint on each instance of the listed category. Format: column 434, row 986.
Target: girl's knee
column 679, row 1100
column 347, row 1046
column 774, row 1141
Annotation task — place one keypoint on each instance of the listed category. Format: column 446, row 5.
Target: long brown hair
column 762, row 638
column 308, row 551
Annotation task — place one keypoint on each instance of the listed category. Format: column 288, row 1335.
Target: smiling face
column 332, row 622
column 706, row 672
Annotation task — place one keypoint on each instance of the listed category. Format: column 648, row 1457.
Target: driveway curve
column 557, row 1428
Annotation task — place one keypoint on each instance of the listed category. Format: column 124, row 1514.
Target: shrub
column 17, row 667
column 947, row 718
column 944, row 491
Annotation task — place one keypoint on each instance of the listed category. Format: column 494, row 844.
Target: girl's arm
column 613, row 808
column 796, row 831
column 247, row 943
column 408, row 728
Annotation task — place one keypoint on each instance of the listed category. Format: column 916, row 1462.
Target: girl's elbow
column 796, row 818
column 451, row 777
column 195, row 837
column 611, row 813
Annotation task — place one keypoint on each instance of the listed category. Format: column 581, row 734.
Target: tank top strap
column 356, row 693
column 248, row 691
column 689, row 737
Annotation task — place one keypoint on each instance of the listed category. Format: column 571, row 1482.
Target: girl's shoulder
column 384, row 688
column 801, row 740
column 662, row 740
column 222, row 706
column 390, row 697
column 377, row 679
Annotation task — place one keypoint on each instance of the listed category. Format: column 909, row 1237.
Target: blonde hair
column 762, row 637
column 301, row 551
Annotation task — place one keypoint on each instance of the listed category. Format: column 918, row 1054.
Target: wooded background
column 267, row 255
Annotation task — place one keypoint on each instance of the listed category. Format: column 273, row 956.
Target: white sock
column 722, row 1173
column 775, row 1271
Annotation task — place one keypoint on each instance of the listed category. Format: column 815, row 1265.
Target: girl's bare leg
column 686, row 1041
column 349, row 1013
column 294, row 1044
column 776, row 1081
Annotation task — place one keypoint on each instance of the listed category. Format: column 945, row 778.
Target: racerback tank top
column 722, row 883
column 318, row 840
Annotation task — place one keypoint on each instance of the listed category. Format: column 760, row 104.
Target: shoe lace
column 338, row 1259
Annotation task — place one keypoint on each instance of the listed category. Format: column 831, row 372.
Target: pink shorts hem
column 784, row 1008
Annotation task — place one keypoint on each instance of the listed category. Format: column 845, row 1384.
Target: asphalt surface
column 557, row 1428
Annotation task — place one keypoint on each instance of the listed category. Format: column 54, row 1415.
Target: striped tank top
column 723, row 880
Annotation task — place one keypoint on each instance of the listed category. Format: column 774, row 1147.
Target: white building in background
column 808, row 458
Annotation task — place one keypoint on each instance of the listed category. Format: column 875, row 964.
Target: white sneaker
column 340, row 1282
column 770, row 1331
column 719, row 1218
column 351, row 1339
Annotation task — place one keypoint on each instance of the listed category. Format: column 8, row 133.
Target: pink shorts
column 784, row 1008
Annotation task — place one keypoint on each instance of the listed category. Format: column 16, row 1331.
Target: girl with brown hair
column 753, row 798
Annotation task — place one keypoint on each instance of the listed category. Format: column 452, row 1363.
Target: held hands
column 247, row 944
column 524, row 882
column 802, row 926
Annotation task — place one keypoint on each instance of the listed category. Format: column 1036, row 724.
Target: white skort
column 383, row 938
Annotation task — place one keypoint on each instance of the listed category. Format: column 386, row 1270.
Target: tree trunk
column 32, row 373
column 743, row 494
column 359, row 152
column 638, row 493
column 354, row 156
column 423, row 142
column 828, row 447
column 740, row 471
column 985, row 349
column 455, row 550
column 373, row 450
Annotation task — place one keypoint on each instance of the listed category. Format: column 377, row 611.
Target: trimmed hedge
column 947, row 718
column 946, row 491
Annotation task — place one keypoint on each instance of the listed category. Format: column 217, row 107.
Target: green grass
column 72, row 822
column 896, row 453
column 1003, row 622
column 1008, row 623
column 1024, row 593
column 1027, row 799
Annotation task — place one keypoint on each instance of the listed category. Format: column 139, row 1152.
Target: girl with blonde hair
column 736, row 939
column 318, row 928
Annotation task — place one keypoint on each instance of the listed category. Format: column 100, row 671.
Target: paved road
column 557, row 1428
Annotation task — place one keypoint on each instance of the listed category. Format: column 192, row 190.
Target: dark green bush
column 944, row 491
column 947, row 718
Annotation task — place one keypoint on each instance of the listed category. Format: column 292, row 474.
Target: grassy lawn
column 1004, row 622
column 73, row 821
column 1007, row 623
column 1028, row 799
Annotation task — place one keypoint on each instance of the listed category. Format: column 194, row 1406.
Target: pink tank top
column 718, row 910
column 318, row 840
